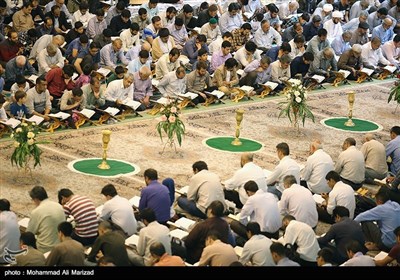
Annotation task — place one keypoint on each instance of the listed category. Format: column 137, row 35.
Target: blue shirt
column 393, row 150
column 18, row 111
column 75, row 44
column 84, row 52
column 381, row 33
column 156, row 197
column 388, row 217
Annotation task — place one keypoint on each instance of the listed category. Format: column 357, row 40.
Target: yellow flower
column 31, row 134
column 16, row 144
column 18, row 130
column 30, row 142
column 24, row 124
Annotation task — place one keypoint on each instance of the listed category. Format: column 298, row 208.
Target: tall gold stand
column 239, row 118
column 351, row 98
column 106, row 140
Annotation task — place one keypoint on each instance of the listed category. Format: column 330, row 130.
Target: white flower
column 16, row 144
column 295, row 82
column 12, row 135
column 298, row 99
column 300, row 87
column 173, row 109
column 296, row 93
column 18, row 130
column 30, row 141
column 305, row 95
column 24, row 124
column 31, row 134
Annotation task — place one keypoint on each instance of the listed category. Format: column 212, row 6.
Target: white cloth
column 298, row 202
column 342, row 195
column 115, row 90
column 129, row 40
column 304, row 236
column 334, row 29
column 350, row 165
column 256, row 251
column 45, row 61
column 9, row 232
column 315, row 170
column 170, row 85
column 391, row 53
column 286, row 166
column 120, row 211
column 215, row 46
column 262, row 208
column 372, row 57
column 241, row 56
column 249, row 171
column 375, row 156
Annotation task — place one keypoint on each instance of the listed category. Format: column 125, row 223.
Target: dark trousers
column 85, row 241
column 324, row 216
column 241, row 231
column 234, row 197
column 373, row 234
column 355, row 186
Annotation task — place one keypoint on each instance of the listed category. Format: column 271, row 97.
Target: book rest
column 238, row 94
column 384, row 74
column 128, row 111
column 55, row 124
column 81, row 120
column 267, row 90
column 340, row 78
column 156, row 109
column 362, row 77
column 211, row 99
column 4, row 129
column 185, row 102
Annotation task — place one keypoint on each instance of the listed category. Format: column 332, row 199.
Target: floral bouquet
column 25, row 144
column 171, row 123
column 295, row 107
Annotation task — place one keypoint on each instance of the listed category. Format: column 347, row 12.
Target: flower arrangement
column 295, row 107
column 25, row 144
column 394, row 93
column 171, row 124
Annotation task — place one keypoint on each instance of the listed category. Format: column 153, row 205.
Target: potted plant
column 394, row 93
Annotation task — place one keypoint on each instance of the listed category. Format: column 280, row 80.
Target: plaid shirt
column 238, row 38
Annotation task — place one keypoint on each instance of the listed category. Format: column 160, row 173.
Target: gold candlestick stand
column 106, row 140
column 239, row 118
column 351, row 98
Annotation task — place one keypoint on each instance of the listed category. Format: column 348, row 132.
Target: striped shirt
column 84, row 213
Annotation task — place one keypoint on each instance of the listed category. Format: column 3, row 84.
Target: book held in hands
column 13, row 123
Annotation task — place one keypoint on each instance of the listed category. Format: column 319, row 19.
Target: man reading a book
column 39, row 99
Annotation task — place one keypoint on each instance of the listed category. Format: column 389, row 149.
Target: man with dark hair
column 58, row 80
column 89, row 56
column 118, row 210
column 198, row 81
column 38, row 99
column 311, row 29
column 204, row 188
column 43, row 219
column 208, row 14
column 67, row 253
column 162, row 258
column 393, row 149
column 142, row 19
column 9, row 230
column 301, row 64
column 380, row 236
column 150, row 32
column 178, row 33
column 10, row 48
column 97, row 25
column 162, row 44
column 278, row 51
column 76, row 46
column 394, row 253
column 325, row 257
column 351, row 61
column 232, row 19
column 33, row 257
column 278, row 253
column 356, row 257
column 344, row 230
column 120, row 22
column 155, row 196
column 192, row 46
column 74, row 33
column 82, row 209
column 102, row 39
column 130, row 37
column 318, row 42
column 216, row 252
column 167, row 63
column 340, row 195
column 350, row 164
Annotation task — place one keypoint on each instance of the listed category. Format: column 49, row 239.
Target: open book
column 60, row 115
column 74, row 76
column 234, row 217
column 391, row 69
column 99, row 209
column 380, row 256
column 112, row 111
column 134, row 201
column 240, row 72
column 217, row 93
column 271, row 85
column 345, row 73
column 35, row 119
column 103, row 71
column 318, row 78
column 380, row 182
column 132, row 103
column 178, row 233
column 318, row 198
column 86, row 112
column 238, row 250
column 163, row 101
column 33, row 78
column 367, row 71
column 183, row 223
column 23, row 222
column 132, row 240
column 183, row 191
column 190, row 95
column 13, row 123
column 247, row 89
column 155, row 82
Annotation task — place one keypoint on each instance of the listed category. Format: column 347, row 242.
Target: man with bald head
column 17, row 66
column 318, row 164
column 384, row 31
column 142, row 88
column 234, row 187
column 324, row 64
column 351, row 61
column 372, row 56
column 375, row 159
column 111, row 55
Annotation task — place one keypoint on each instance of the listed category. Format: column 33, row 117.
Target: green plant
column 25, row 144
column 171, row 124
column 394, row 93
column 295, row 107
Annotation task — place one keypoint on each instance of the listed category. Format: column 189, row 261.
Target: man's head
column 316, row 20
column 265, row 26
column 265, row 62
column 171, row 12
column 125, row 15
column 375, row 43
column 286, row 220
column 278, row 251
column 394, row 132
column 226, row 47
column 347, row 36
column 174, row 54
column 4, row 205
column 147, row 215
column 201, row 68
column 231, row 63
column 144, row 72
column 164, row 35
column 356, row 50
column 128, row 80
column 245, row 29
column 65, row 230
column 142, row 14
column 157, row 250
column 282, row 150
column 109, row 191
column 332, row 177
column 252, row 228
column 41, row 84
column 100, row 15
column 285, row 61
column 13, row 37
column 77, row 94
column 339, row 213
column 328, row 53
column 150, row 175
column 308, row 57
column 153, row 4
column 348, row 142
column 178, row 23
column 381, row 197
column 322, row 34
column 64, row 195
column 233, row 9
column 337, row 17
column 246, row 158
column 325, row 256
column 250, row 188
column 215, row 209
column 20, row 61
column 117, row 45
column 288, row 181
column 352, row 247
column 227, row 36
column 198, row 166
column 38, row 194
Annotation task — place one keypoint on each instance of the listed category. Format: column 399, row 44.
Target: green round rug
column 361, row 126
column 89, row 166
column 223, row 143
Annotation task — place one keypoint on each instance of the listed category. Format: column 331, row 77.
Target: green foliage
column 394, row 93
column 25, row 144
column 171, row 124
column 295, row 107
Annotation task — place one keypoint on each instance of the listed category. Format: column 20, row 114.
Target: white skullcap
column 356, row 48
column 327, row 8
column 337, row 14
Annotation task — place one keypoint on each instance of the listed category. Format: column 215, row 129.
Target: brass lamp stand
column 239, row 118
column 351, row 98
column 106, row 140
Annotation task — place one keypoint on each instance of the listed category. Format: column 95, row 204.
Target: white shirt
column 211, row 34
column 256, row 251
column 241, row 56
column 204, row 188
column 350, row 165
column 375, row 156
column 121, row 213
column 129, row 40
column 391, row 53
column 315, row 170
column 40, row 45
column 359, row 259
column 263, row 209
column 342, row 195
column 215, row 46
column 171, row 85
column 265, row 40
column 45, row 61
column 372, row 57
column 9, row 232
column 334, row 29
column 228, row 22
column 115, row 90
column 164, row 66
column 298, row 202
column 304, row 236
column 249, row 171
column 77, row 16
column 295, row 51
column 286, row 166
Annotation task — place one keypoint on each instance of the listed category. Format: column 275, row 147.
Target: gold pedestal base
column 103, row 165
column 349, row 123
column 236, row 142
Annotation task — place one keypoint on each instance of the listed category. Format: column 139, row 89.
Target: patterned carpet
column 137, row 141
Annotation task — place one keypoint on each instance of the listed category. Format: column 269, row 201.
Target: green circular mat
column 361, row 126
column 224, row 144
column 89, row 166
